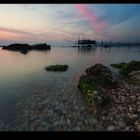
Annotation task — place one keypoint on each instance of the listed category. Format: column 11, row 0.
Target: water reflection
column 27, row 51
column 86, row 50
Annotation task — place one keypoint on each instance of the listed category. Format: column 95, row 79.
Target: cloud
column 95, row 23
column 15, row 31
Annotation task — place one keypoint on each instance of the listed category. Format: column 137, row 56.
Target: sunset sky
column 53, row 23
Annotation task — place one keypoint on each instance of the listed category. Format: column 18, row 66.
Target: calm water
column 22, row 75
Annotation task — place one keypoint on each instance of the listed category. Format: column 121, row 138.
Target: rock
column 104, row 112
column 111, row 128
column 77, row 128
column 68, row 122
column 118, row 116
column 86, row 121
column 117, row 101
column 129, row 67
column 134, row 77
column 64, row 112
column 139, row 98
column 101, row 75
column 99, row 127
column 122, row 125
column 138, row 110
column 76, row 107
column 93, row 121
column 133, row 97
column 2, row 124
column 118, row 65
column 92, row 97
column 57, row 67
column 135, row 116
column 122, row 98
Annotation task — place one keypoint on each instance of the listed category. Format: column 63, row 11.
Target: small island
column 24, row 48
column 57, row 67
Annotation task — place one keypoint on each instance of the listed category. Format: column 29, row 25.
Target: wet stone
column 93, row 121
column 138, row 128
column 111, row 128
column 68, row 122
column 99, row 127
column 2, row 124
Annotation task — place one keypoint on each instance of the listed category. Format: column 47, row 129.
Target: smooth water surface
column 21, row 75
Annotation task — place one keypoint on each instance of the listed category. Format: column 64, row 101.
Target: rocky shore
column 66, row 109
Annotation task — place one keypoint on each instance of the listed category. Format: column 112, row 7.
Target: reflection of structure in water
column 86, row 43
column 86, row 49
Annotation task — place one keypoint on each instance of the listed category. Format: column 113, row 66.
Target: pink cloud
column 94, row 22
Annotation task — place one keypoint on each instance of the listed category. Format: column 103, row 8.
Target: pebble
column 78, row 128
column 104, row 112
column 93, row 121
column 99, row 127
column 122, row 125
column 138, row 127
column 111, row 128
column 68, row 122
column 66, row 110
column 2, row 124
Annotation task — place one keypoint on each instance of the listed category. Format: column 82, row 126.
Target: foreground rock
column 101, row 75
column 134, row 77
column 129, row 67
column 123, row 110
column 24, row 48
column 57, row 68
column 92, row 86
column 118, row 65
column 94, row 96
column 130, row 70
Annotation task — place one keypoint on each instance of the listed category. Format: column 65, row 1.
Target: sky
column 56, row 23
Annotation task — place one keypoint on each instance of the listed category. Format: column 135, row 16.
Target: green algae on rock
column 57, row 67
column 91, row 91
column 118, row 65
column 129, row 67
column 102, row 76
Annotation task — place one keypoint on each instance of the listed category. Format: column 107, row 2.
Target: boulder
column 129, row 67
column 134, row 77
column 101, row 75
column 57, row 68
column 118, row 65
column 92, row 94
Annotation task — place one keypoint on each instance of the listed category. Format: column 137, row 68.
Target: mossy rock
column 102, row 76
column 134, row 77
column 129, row 67
column 118, row 65
column 91, row 93
column 85, row 84
column 57, row 68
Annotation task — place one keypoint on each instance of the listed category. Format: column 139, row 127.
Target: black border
column 72, row 135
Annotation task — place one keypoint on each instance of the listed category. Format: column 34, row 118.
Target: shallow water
column 21, row 75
